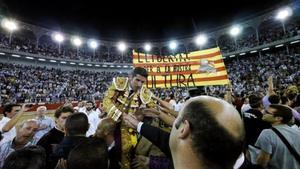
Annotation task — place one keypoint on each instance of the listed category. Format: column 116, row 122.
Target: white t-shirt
column 244, row 108
column 9, row 135
column 178, row 106
column 173, row 103
column 94, row 120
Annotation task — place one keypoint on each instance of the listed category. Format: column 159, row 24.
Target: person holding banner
column 127, row 95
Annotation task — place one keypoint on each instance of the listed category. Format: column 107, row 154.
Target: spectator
column 11, row 113
column 23, row 139
column 45, row 123
column 91, row 154
column 274, row 153
column 51, row 139
column 218, row 147
column 31, row 157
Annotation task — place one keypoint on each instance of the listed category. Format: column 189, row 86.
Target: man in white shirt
column 11, row 115
column 45, row 123
column 80, row 107
column 93, row 118
column 172, row 101
column 24, row 137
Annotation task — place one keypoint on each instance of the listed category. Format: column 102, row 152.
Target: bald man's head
column 216, row 130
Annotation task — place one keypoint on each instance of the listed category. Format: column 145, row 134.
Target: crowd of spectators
column 19, row 83
column 39, row 84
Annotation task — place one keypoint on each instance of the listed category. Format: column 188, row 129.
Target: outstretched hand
column 151, row 112
column 130, row 120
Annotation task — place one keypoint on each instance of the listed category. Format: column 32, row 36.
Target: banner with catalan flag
column 199, row 68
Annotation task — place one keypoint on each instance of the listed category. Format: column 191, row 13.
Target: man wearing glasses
column 274, row 154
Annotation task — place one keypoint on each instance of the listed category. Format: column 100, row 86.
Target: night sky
column 135, row 21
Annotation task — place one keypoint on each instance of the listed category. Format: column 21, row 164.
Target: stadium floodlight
column 201, row 39
column 122, row 46
column 235, row 30
column 147, row 47
column 10, row 25
column 76, row 41
column 173, row 45
column 284, row 13
column 59, row 38
column 93, row 44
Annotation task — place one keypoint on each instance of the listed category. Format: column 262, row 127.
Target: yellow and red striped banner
column 199, row 68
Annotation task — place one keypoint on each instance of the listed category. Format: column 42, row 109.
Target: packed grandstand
column 249, row 59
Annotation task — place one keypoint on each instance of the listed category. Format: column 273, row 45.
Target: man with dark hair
column 12, row 114
column 126, row 96
column 51, row 139
column 273, row 152
column 89, row 155
column 274, row 99
column 208, row 133
column 253, row 120
column 93, row 118
column 31, row 157
column 75, row 132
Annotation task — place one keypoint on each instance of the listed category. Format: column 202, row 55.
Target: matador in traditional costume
column 127, row 95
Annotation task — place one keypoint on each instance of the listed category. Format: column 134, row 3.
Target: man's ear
column 184, row 130
column 279, row 118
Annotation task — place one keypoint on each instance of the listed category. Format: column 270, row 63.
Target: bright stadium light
column 235, row 31
column 147, row 47
column 59, row 38
column 201, row 39
column 122, row 46
column 10, row 25
column 93, row 44
column 77, row 41
column 284, row 13
column 173, row 45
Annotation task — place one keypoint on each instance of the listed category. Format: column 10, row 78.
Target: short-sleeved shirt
column 6, row 149
column 281, row 158
column 9, row 135
column 94, row 120
column 44, row 121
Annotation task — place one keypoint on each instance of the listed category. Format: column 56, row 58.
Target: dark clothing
column 116, row 151
column 161, row 139
column 160, row 163
column 254, row 125
column 158, row 137
column 49, row 141
column 114, row 161
column 68, row 143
